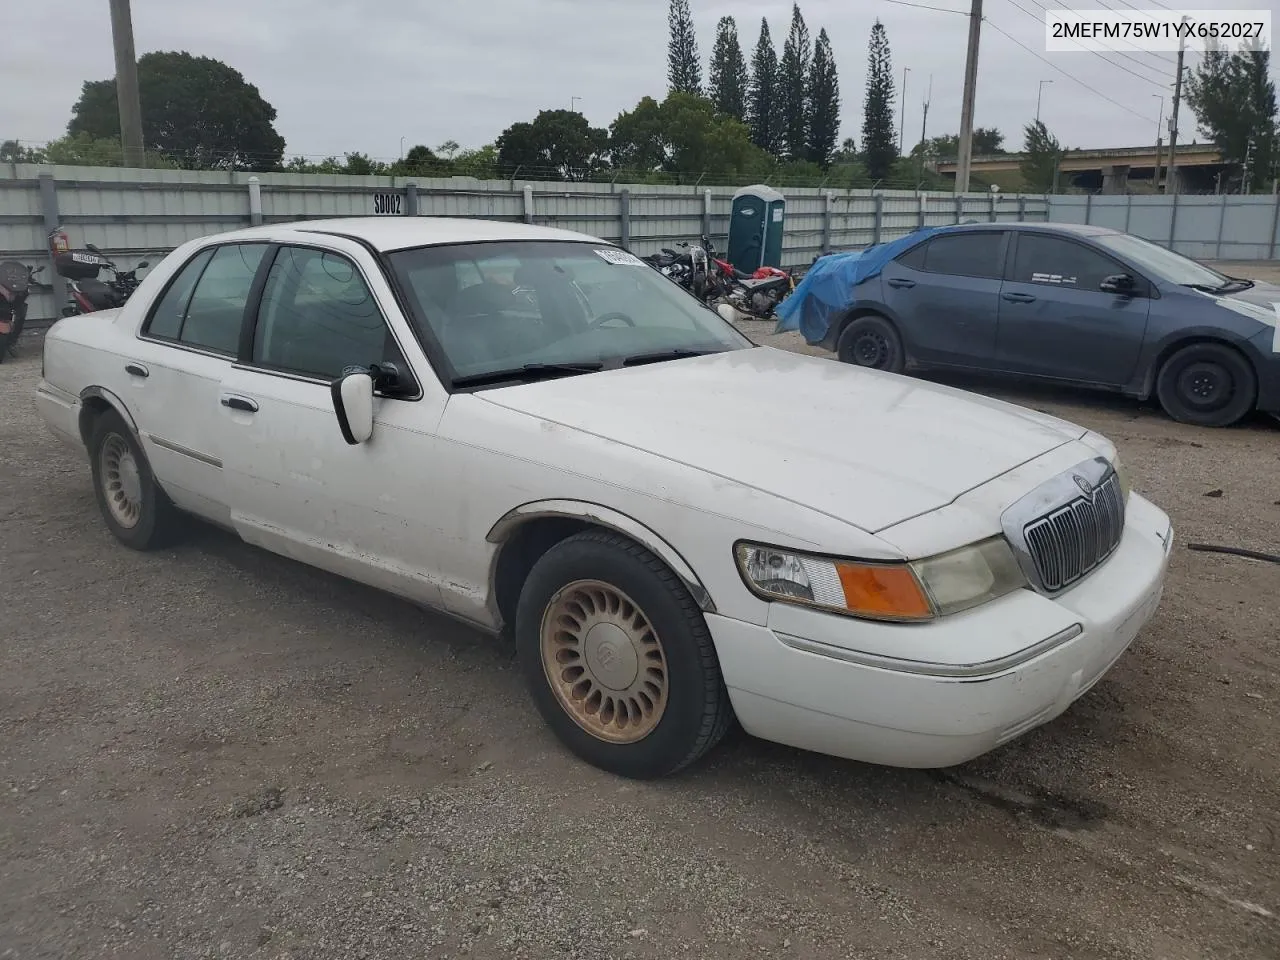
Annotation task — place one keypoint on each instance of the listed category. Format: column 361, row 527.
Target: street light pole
column 1155, row 175
column 1039, row 94
column 573, row 101
column 902, row 119
column 127, row 99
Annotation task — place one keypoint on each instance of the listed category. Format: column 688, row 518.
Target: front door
column 945, row 295
column 1056, row 321
column 186, row 346
column 366, row 511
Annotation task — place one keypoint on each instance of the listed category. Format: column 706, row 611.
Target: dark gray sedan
column 1074, row 304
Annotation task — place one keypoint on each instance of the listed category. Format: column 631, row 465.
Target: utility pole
column 924, row 128
column 970, row 91
column 902, row 116
column 1039, row 94
column 1155, row 175
column 127, row 83
column 1171, row 184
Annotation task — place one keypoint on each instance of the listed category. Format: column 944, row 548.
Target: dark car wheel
column 871, row 341
column 1207, row 384
column 618, row 658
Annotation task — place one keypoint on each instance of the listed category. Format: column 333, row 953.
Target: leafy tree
column 197, row 110
column 684, row 69
column 879, row 142
column 824, row 103
column 481, row 163
column 729, row 77
column 1234, row 101
column 763, row 115
column 848, row 152
column 12, row 151
column 987, row 141
column 683, row 134
column 421, row 160
column 558, row 142
column 449, row 148
column 83, row 150
column 793, row 92
column 1041, row 153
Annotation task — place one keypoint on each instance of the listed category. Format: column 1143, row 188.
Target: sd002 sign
column 388, row 204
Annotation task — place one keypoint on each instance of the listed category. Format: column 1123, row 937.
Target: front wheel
column 871, row 341
column 1208, row 385
column 618, row 658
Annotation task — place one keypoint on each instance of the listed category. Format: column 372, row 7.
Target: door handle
column 904, row 284
column 136, row 370
column 1018, row 297
column 239, row 403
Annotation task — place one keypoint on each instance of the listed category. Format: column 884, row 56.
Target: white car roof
column 397, row 233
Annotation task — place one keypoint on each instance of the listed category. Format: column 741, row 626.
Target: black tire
column 871, row 341
column 1208, row 385
column 157, row 520
column 696, row 712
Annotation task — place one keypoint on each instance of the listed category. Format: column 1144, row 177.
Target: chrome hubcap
column 121, row 481
column 604, row 662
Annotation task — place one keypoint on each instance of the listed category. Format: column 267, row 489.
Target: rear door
column 1056, row 321
column 945, row 296
column 186, row 345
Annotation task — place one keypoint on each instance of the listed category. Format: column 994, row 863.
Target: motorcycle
column 16, row 280
column 88, row 294
column 756, row 294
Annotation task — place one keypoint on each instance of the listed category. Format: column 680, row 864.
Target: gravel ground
column 214, row 752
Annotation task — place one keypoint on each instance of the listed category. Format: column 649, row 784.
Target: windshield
column 552, row 306
column 1164, row 264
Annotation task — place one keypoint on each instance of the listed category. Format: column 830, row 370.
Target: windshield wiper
column 1203, row 287
column 1235, row 285
column 659, row 355
column 529, row 371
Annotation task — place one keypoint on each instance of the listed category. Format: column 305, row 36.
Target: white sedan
column 534, row 431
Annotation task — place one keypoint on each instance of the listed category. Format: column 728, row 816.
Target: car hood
column 865, row 447
column 1258, row 302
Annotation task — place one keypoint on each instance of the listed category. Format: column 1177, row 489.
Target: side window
column 1052, row 261
column 318, row 317
column 975, row 254
column 166, row 318
column 914, row 258
column 216, row 308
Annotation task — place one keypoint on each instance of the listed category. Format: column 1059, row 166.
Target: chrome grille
column 1068, row 542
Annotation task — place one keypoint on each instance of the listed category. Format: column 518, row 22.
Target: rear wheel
column 871, row 341
column 1207, row 384
column 618, row 658
column 134, row 507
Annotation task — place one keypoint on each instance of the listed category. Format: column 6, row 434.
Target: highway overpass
column 1113, row 170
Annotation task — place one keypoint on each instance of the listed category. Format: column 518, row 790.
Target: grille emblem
column 1085, row 486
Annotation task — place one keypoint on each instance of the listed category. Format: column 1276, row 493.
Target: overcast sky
column 348, row 75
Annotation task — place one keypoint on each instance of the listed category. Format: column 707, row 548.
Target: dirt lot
column 214, row 752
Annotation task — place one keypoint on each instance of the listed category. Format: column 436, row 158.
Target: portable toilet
column 755, row 228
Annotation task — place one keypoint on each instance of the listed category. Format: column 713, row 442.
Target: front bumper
column 958, row 687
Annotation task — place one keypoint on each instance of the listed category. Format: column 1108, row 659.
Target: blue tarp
column 827, row 290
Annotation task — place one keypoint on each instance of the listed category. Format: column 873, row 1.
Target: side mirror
column 1119, row 283
column 93, row 248
column 353, row 405
column 143, row 264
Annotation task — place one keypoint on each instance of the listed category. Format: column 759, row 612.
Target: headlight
column 922, row 590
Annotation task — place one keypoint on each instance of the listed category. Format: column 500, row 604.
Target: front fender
column 613, row 520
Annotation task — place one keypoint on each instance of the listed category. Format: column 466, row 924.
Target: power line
column 1118, row 66
column 1069, row 76
column 926, row 6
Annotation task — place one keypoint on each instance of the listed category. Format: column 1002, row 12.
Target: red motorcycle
column 757, row 294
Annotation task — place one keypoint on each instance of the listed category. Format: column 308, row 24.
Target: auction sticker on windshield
column 620, row 258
